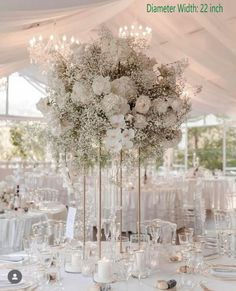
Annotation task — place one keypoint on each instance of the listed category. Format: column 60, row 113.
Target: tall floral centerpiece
column 110, row 95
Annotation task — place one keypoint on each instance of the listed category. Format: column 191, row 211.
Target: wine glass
column 127, row 267
column 106, row 226
column 155, row 231
column 27, row 246
column 185, row 242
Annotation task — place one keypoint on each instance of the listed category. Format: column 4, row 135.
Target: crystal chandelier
column 3, row 84
column 141, row 34
column 43, row 50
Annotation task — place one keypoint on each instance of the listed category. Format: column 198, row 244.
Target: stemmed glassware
column 127, row 268
column 107, row 228
column 186, row 240
column 155, row 232
column 27, row 246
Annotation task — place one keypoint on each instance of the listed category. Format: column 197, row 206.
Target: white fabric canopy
column 206, row 39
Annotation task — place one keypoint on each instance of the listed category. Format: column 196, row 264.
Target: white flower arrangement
column 113, row 94
column 7, row 190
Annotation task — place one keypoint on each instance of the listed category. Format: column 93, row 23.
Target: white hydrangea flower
column 140, row 121
column 114, row 133
column 128, row 133
column 80, row 94
column 143, row 104
column 160, row 106
column 118, row 121
column 124, row 87
column 101, row 85
column 114, row 104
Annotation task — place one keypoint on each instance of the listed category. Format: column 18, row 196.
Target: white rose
column 124, row 87
column 114, row 104
column 140, row 121
column 114, row 134
column 160, row 106
column 80, row 94
column 118, row 121
column 143, row 104
column 148, row 78
column 101, row 85
column 128, row 133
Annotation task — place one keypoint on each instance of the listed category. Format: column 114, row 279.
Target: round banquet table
column 163, row 202
column 215, row 192
column 14, row 226
column 53, row 210
column 76, row 282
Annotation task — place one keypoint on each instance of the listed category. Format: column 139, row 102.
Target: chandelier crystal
column 43, row 50
column 3, row 84
column 141, row 34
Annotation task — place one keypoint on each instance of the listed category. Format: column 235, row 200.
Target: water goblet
column 155, row 231
column 27, row 246
column 127, row 268
column 185, row 242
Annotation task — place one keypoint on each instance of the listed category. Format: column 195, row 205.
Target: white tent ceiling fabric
column 208, row 40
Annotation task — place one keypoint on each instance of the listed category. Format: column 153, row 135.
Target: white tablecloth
column 216, row 191
column 76, row 282
column 54, row 210
column 159, row 202
column 14, row 227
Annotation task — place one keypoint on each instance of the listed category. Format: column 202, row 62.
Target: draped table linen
column 15, row 226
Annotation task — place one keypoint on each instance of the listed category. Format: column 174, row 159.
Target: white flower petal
column 143, row 104
column 101, row 85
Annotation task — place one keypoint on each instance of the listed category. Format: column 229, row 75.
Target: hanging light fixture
column 41, row 50
column 3, row 84
column 141, row 34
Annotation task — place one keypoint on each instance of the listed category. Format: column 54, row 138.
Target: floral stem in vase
column 84, row 217
column 139, row 199
column 99, row 202
column 121, row 201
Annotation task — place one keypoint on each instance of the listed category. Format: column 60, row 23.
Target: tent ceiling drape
column 207, row 40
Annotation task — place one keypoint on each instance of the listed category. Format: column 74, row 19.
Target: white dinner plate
column 222, row 272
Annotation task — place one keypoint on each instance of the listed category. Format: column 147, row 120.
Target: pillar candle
column 140, row 260
column 104, row 270
column 75, row 260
